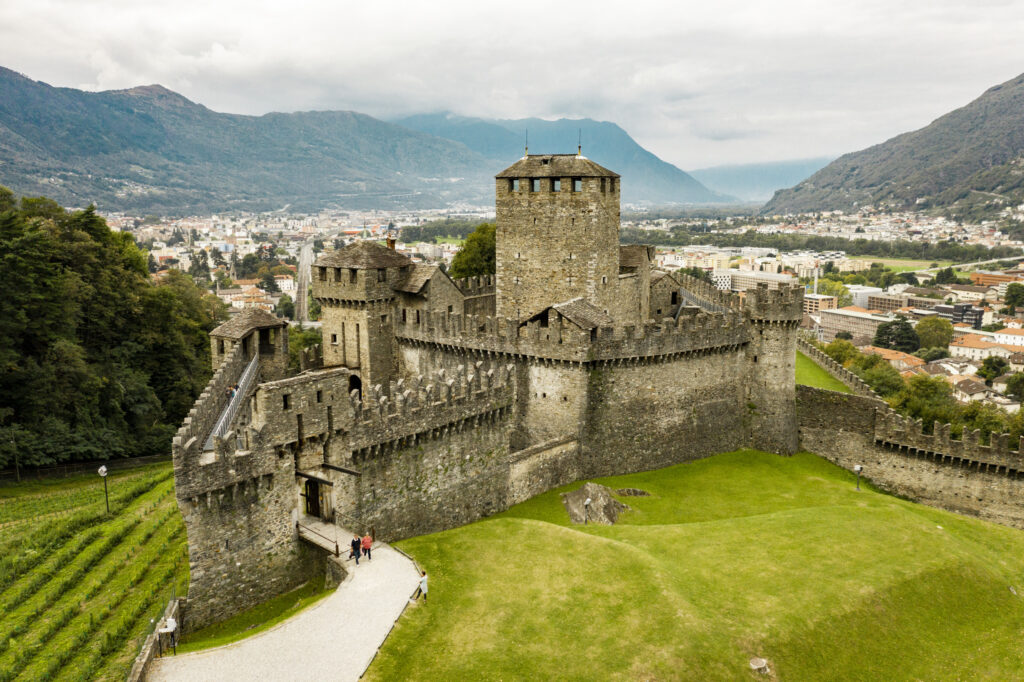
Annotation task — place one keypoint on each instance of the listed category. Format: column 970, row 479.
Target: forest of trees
column 451, row 228
column 98, row 361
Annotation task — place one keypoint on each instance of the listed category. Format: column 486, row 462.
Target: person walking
column 367, row 544
column 422, row 589
column 355, row 544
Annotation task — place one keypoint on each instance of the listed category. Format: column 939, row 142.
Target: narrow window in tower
column 568, row 280
column 611, row 184
column 337, row 275
column 515, row 280
column 515, row 185
column 577, row 184
column 323, row 274
column 535, row 185
column 382, row 274
column 556, row 185
column 518, row 255
column 319, row 396
column 383, row 319
column 351, row 275
column 286, row 400
column 403, row 315
column 604, row 280
column 334, row 339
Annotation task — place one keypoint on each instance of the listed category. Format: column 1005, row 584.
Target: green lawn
column 810, row 373
column 743, row 554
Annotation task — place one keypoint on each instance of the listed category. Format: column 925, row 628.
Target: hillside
column 741, row 555
column 758, row 181
column 151, row 149
column 969, row 163
column 645, row 177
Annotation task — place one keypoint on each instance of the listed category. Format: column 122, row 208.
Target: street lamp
column 586, row 511
column 857, row 469
column 103, row 474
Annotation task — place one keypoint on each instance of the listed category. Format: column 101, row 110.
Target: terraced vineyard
column 78, row 587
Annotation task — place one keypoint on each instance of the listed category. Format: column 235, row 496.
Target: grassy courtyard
column 809, row 373
column 78, row 586
column 743, row 554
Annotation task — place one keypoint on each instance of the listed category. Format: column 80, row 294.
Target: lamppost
column 106, row 495
column 857, row 469
column 586, row 511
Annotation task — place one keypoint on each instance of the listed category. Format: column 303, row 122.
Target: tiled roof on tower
column 363, row 255
column 555, row 166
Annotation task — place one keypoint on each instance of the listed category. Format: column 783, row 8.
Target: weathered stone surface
column 603, row 508
column 423, row 410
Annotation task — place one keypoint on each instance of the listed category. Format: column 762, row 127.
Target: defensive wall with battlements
column 901, row 456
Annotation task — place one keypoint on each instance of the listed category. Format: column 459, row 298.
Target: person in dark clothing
column 356, row 544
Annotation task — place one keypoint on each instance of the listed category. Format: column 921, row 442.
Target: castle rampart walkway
column 335, row 639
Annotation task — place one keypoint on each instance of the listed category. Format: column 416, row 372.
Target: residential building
column 815, row 302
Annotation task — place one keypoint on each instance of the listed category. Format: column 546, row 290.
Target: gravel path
column 333, row 640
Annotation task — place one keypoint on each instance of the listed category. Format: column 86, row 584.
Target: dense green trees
column 96, row 361
column 476, row 257
column 898, row 335
column 439, row 229
column 930, row 399
column 934, row 332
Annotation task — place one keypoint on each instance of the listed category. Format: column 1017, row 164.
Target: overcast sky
column 698, row 83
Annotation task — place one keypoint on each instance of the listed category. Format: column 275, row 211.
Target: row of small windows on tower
column 382, row 275
column 576, row 184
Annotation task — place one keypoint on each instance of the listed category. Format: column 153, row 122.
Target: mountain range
column 968, row 163
column 645, row 177
column 150, row 149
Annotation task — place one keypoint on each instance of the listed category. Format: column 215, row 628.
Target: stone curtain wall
column 440, row 480
column 958, row 475
column 647, row 415
column 848, row 378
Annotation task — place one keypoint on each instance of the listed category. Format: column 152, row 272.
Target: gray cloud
column 697, row 83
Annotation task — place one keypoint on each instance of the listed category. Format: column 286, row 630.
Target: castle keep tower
column 354, row 288
column 557, row 234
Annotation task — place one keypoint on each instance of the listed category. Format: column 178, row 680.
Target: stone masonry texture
column 433, row 402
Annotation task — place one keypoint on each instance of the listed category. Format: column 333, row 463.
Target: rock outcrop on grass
column 604, row 508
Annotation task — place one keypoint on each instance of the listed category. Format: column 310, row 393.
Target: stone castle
column 433, row 402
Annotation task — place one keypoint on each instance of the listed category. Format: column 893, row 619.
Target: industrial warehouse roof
column 555, row 166
column 363, row 255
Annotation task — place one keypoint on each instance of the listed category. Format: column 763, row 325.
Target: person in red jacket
column 367, row 543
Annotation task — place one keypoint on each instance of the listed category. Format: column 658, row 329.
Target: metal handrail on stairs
column 231, row 409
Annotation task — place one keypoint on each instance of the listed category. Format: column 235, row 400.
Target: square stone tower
column 557, row 234
column 355, row 288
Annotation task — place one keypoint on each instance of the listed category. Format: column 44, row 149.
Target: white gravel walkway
column 333, row 640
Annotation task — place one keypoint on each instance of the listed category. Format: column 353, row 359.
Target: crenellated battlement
column 708, row 292
column 311, row 357
column 893, row 429
column 476, row 286
column 416, row 405
column 566, row 342
column 785, row 304
column 848, row 378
